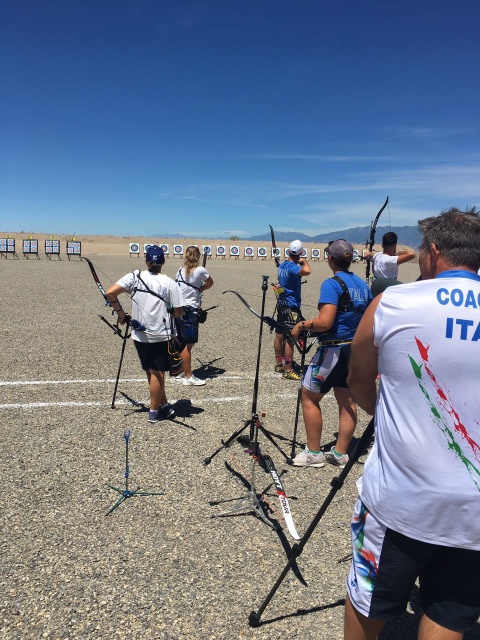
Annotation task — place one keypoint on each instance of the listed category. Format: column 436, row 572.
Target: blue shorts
column 187, row 326
column 386, row 564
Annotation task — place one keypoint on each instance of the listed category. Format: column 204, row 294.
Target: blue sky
column 218, row 118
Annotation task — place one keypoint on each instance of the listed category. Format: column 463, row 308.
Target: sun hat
column 296, row 248
column 155, row 255
column 341, row 250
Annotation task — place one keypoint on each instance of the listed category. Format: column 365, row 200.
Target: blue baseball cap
column 155, row 255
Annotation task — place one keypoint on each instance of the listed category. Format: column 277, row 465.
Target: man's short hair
column 389, row 239
column 456, row 234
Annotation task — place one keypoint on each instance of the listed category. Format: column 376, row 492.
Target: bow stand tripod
column 251, row 503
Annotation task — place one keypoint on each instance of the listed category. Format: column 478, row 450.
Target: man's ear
column 434, row 255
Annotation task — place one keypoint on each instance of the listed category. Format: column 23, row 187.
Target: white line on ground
column 24, row 383
column 40, row 405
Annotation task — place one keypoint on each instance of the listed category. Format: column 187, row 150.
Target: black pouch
column 201, row 315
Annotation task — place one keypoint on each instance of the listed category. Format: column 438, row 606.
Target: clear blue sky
column 215, row 118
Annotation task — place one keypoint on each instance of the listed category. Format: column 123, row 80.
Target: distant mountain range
column 407, row 235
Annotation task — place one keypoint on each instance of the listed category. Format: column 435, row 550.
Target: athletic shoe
column 168, row 412
column 308, row 459
column 194, row 382
column 181, row 376
column 279, row 368
column 336, row 460
column 154, row 416
column 291, row 375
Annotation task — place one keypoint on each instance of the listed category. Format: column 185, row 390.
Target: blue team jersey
column 346, row 322
column 289, row 279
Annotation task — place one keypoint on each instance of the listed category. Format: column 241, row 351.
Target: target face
column 134, row 247
column 315, row 253
column 234, row 251
column 73, row 248
column 262, row 251
column 164, row 248
column 221, row 251
column 249, row 251
column 178, row 248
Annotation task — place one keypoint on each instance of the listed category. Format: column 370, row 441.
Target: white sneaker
column 193, row 382
column 335, row 459
column 181, row 376
column 308, row 459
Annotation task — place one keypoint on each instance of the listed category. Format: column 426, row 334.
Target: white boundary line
column 26, row 383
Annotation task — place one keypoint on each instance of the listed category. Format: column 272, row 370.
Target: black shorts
column 153, row 355
column 288, row 316
column 386, row 565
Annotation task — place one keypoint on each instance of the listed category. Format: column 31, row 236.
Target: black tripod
column 126, row 493
column 337, row 483
column 250, row 503
column 254, row 419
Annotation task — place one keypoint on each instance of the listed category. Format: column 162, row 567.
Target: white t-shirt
column 197, row 277
column 422, row 477
column 149, row 310
column 385, row 266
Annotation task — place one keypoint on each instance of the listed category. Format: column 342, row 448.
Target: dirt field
column 158, row 566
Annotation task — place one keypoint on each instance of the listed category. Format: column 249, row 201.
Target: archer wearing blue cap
column 155, row 297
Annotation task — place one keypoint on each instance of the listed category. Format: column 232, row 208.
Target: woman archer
column 193, row 280
column 343, row 300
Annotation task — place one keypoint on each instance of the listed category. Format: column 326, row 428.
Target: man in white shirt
column 418, row 509
column 385, row 264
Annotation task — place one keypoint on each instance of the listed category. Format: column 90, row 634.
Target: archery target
column 206, row 248
column 315, row 253
column 262, row 252
column 178, row 249
column 165, row 248
column 145, row 247
column 234, row 250
column 134, row 247
column 221, row 250
column 74, row 248
column 275, row 252
column 3, row 245
column 52, row 246
column 248, row 252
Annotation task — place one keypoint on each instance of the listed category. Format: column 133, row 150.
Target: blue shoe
column 168, row 412
column 154, row 416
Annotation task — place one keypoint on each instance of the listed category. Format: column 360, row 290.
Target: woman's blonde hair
column 192, row 258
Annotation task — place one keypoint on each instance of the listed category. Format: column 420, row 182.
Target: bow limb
column 267, row 319
column 273, row 324
column 371, row 240
column 240, row 297
column 274, row 246
column 97, row 279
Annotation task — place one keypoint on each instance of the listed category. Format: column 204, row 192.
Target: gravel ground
column 159, row 566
